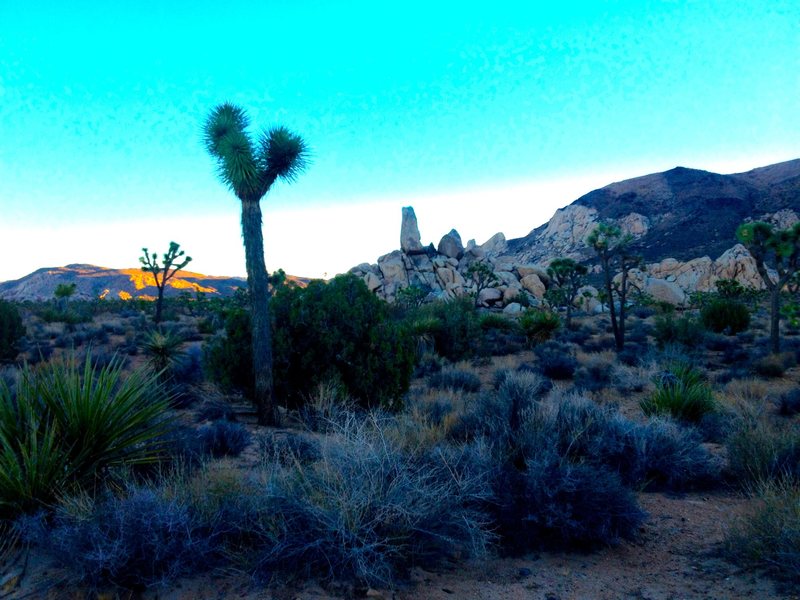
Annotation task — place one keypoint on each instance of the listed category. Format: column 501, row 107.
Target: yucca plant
column 682, row 393
column 163, row 350
column 66, row 424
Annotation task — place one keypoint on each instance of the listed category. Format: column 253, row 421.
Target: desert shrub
column 339, row 330
column 367, row 511
column 556, row 361
column 579, row 335
column 759, row 452
column 11, row 330
column 682, row 393
column 456, row 379
column 495, row 321
column 65, row 425
column 135, row 540
column 228, row 357
column 659, row 454
column 553, row 503
column 769, row 537
column 539, row 325
column 454, row 327
column 289, row 448
column 724, row 315
column 216, row 409
column 686, row 330
column 789, row 403
column 594, row 374
column 630, row 355
column 774, row 365
column 223, row 438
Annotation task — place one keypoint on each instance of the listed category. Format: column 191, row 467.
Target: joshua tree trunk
column 774, row 319
column 159, row 301
column 257, row 283
column 611, row 309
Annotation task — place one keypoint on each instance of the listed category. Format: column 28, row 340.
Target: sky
column 484, row 116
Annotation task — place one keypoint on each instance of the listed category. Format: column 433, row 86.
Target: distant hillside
column 681, row 213
column 99, row 282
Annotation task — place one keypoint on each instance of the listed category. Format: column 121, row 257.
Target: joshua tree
column 568, row 277
column 63, row 292
column 170, row 261
column 483, row 276
column 611, row 247
column 249, row 168
column 778, row 251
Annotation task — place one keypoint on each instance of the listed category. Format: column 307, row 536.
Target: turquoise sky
column 101, row 105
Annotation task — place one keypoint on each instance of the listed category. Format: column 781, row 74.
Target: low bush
column 769, row 537
column 594, row 374
column 556, row 361
column 539, row 325
column 135, row 540
column 723, row 315
column 558, row 504
column 367, row 511
column 455, row 379
column 789, row 403
column 686, row 331
column 682, row 393
column 774, row 365
column 223, row 438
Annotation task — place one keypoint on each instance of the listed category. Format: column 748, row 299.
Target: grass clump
column 682, row 393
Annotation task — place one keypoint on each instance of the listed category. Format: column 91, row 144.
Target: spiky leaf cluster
column 249, row 169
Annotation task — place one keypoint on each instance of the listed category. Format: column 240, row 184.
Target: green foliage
column 11, row 330
column 483, row 276
column 163, row 350
column 65, row 425
column 410, row 297
column 495, row 321
column 568, row 277
column 228, row 358
column 454, row 327
column 339, row 330
column 539, row 325
column 682, row 393
column 64, row 290
column 724, row 315
column 685, row 330
column 250, row 168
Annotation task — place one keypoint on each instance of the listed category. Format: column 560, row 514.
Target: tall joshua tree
column 250, row 168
